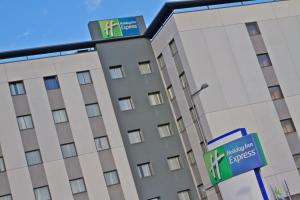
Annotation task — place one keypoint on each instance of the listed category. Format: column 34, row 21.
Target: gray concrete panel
column 81, row 196
column 107, row 161
column 55, row 99
column 97, row 126
column 258, row 44
column 73, row 168
column 294, row 143
column 64, row 133
column 282, row 109
column 115, row 192
column 29, row 140
column 38, row 176
column 270, row 76
column 88, row 93
column 21, row 105
column 4, row 184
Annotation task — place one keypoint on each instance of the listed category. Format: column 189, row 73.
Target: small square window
column 155, row 98
column 68, row 150
column 173, row 47
column 135, row 136
column 77, row 186
column 84, row 78
column 93, row 110
column 17, row 88
column 25, row 122
column 33, row 157
column 253, row 28
column 174, row 163
column 180, row 124
column 59, row 116
column 102, row 143
column 42, row 193
column 2, row 165
column 51, row 82
column 275, row 92
column 116, row 72
column 111, row 177
column 164, row 130
column 126, row 104
column 183, row 80
column 161, row 61
column 145, row 68
column 191, row 157
column 184, row 195
column 264, row 60
column 6, row 197
column 144, row 170
column 171, row 92
column 288, row 126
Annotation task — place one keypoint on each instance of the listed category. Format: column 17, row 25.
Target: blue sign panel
column 129, row 26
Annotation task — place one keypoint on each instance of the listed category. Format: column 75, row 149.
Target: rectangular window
column 68, row 150
column 264, row 60
column 184, row 195
column 180, row 124
column 145, row 68
column 25, row 122
column 51, row 82
column 155, row 98
column 77, row 186
column 155, row 198
column 174, row 163
column 288, row 126
column 193, row 114
column 59, row 116
column 164, row 130
column 161, row 61
column 116, row 72
column 135, row 136
column 253, row 28
column 297, row 161
column 191, row 157
column 2, row 165
column 92, row 110
column 102, row 143
column 144, row 170
column 173, row 47
column 275, row 92
column 111, row 177
column 33, row 157
column 202, row 191
column 6, row 197
column 84, row 78
column 183, row 80
column 171, row 92
column 42, row 193
column 17, row 88
column 126, row 104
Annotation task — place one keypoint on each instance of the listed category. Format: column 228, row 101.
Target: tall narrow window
column 171, row 92
column 184, row 195
column 174, row 163
column 25, row 122
column 59, row 116
column 164, row 130
column 17, row 88
column 145, row 68
column 116, row 72
column 202, row 191
column 264, row 60
column 275, row 92
column 155, row 98
column 193, row 114
column 111, row 177
column 125, row 103
column 191, row 157
column 6, row 197
column 297, row 161
column 42, row 193
column 144, row 170
column 102, row 143
column 161, row 61
column 92, row 110
column 180, row 124
column 68, row 150
column 173, row 47
column 2, row 165
column 33, row 157
column 77, row 186
column 253, row 28
column 183, row 80
column 135, row 136
column 51, row 82
column 84, row 78
column 288, row 126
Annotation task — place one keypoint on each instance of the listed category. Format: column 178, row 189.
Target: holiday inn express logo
column 110, row 28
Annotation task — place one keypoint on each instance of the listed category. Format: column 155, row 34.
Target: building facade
column 119, row 118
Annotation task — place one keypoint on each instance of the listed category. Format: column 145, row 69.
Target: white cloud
column 24, row 34
column 92, row 5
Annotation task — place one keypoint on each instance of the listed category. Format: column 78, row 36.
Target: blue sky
column 33, row 23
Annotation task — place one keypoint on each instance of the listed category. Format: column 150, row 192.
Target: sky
column 34, row 23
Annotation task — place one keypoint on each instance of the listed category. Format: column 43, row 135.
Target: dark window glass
column 51, row 83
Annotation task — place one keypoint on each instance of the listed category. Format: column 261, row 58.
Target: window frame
column 46, row 186
column 292, row 125
column 51, row 77
column 3, row 164
column 184, row 191
column 84, row 72
column 169, row 130
column 99, row 138
column 248, row 24
column 117, row 177
column 130, row 100
column 116, row 67
column 267, row 56
column 153, row 97
column 191, row 157
column 161, row 61
column 279, row 90
column 140, row 134
column 93, row 104
column 71, row 143
column 76, row 179
column 171, row 93
column 40, row 156
column 149, row 69
column 6, row 195
column 183, row 80
column 172, row 44
column 59, row 110
column 14, row 91
column 180, row 124
column 22, row 116
column 141, row 173
column 177, row 157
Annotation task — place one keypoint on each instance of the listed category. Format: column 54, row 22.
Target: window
column 191, row 157
column 184, row 195
column 144, row 170
column 2, row 165
column 51, row 82
column 155, row 198
column 59, row 116
column 161, row 61
column 25, row 122
column 33, row 157
column 180, row 124
column 171, row 92
column 77, row 186
column 135, row 136
column 288, row 126
column 202, row 191
column 116, row 72
column 102, row 143
column 173, row 47
column 264, row 60
column 145, row 68
column 17, row 88
column 125, row 104
column 42, row 193
column 84, row 78
column 297, row 161
column 164, row 130
column 155, row 98
column 111, row 177
column 93, row 110
column 253, row 28
column 6, row 197
column 68, row 150
column 275, row 92
column 183, row 80
column 174, row 163
column 193, row 114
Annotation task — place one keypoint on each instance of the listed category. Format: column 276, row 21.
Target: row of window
column 182, row 195
column 118, row 72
